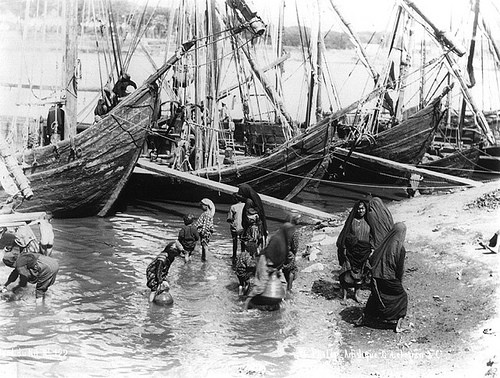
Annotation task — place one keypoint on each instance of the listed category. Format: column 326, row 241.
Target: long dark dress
column 353, row 243
column 247, row 193
column 380, row 220
column 388, row 300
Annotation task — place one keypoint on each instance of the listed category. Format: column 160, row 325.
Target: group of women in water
column 370, row 251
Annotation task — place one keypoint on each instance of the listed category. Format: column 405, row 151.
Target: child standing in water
column 205, row 225
column 234, row 218
column 188, row 236
column 245, row 267
column 46, row 234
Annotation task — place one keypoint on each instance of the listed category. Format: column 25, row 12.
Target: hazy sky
column 363, row 15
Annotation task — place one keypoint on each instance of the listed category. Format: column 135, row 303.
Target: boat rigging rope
column 115, row 117
column 274, row 172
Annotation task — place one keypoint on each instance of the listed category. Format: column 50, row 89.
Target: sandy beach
column 452, row 324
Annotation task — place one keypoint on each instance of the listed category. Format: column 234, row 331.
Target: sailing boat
column 277, row 170
column 83, row 174
column 395, row 146
column 467, row 132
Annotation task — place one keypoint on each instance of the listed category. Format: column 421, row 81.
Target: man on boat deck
column 54, row 131
column 107, row 102
column 120, row 88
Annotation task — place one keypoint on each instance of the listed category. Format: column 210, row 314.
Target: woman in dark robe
column 353, row 249
column 252, row 200
column 366, row 226
column 388, row 301
column 380, row 220
column 270, row 261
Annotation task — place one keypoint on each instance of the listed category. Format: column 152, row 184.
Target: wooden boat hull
column 83, row 176
column 366, row 169
column 489, row 161
column 408, row 141
column 275, row 174
column 459, row 163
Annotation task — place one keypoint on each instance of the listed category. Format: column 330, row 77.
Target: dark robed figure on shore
column 365, row 227
column 388, row 301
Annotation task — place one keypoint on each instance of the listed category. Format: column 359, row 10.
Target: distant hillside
column 293, row 36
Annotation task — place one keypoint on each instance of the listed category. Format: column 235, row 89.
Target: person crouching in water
column 29, row 264
column 188, row 236
column 271, row 260
column 157, row 270
column 205, row 225
column 34, row 268
column 245, row 267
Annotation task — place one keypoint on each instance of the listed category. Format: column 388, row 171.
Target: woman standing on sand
column 353, row 249
column 365, row 228
column 388, row 301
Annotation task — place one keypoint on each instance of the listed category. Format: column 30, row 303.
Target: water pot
column 274, row 291
column 163, row 299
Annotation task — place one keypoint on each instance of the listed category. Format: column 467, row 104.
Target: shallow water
column 96, row 320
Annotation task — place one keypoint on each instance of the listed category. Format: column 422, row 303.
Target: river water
column 96, row 320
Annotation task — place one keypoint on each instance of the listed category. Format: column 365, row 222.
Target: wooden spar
column 439, row 35
column 357, row 44
column 69, row 79
column 229, row 189
column 19, row 219
column 472, row 48
column 383, row 80
column 453, row 67
column 404, row 65
column 470, row 72
column 492, row 42
column 224, row 93
column 278, row 103
column 15, row 170
column 278, row 72
column 303, row 183
column 170, row 62
column 165, row 84
column 409, row 168
column 319, row 61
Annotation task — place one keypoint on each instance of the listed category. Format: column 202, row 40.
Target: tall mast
column 356, row 42
column 405, row 62
column 453, row 67
column 319, row 52
column 69, row 79
column 470, row 72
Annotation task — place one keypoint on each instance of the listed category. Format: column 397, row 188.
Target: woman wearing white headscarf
column 205, row 225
